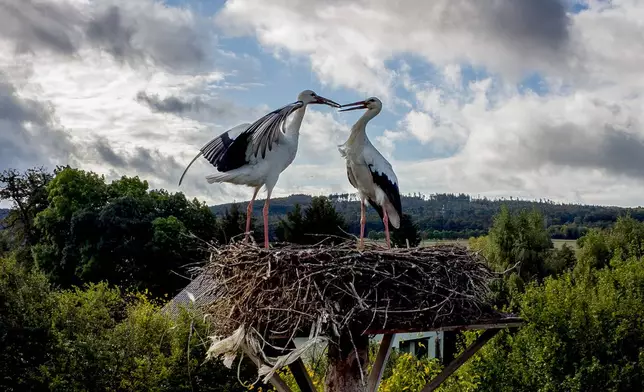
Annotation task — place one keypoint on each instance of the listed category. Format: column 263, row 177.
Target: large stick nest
column 284, row 291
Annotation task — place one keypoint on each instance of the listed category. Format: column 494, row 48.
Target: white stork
column 256, row 154
column 369, row 172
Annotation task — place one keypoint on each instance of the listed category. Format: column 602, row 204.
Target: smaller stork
column 369, row 172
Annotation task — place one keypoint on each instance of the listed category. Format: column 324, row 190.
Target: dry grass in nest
column 285, row 290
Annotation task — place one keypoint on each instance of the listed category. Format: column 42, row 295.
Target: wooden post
column 348, row 363
column 449, row 346
column 380, row 362
column 460, row 360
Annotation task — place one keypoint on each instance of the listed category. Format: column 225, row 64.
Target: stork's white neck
column 293, row 131
column 359, row 129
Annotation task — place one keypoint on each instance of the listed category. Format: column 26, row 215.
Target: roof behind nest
column 287, row 290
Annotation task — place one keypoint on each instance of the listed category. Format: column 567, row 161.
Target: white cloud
column 88, row 72
column 348, row 42
column 582, row 141
column 136, row 87
column 318, row 167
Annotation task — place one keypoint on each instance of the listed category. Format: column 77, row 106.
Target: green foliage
column 519, row 239
column 410, row 374
column 623, row 241
column 26, row 308
column 406, row 372
column 121, row 232
column 98, row 339
column 233, row 225
column 27, row 193
column 560, row 260
column 408, row 231
column 320, row 218
column 581, row 335
column 291, row 229
column 316, row 366
column 519, row 245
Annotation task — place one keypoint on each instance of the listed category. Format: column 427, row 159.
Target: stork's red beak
column 358, row 105
column 327, row 101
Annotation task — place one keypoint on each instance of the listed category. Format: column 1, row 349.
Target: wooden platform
column 491, row 326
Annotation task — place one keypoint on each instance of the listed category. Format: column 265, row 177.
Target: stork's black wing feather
column 352, row 178
column 233, row 148
column 388, row 186
column 227, row 152
column 267, row 129
column 376, row 207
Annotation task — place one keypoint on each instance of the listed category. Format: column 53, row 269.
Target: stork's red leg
column 249, row 213
column 385, row 220
column 362, row 223
column 266, row 222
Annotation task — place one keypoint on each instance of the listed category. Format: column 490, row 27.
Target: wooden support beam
column 500, row 324
column 460, row 360
column 276, row 380
column 298, row 369
column 301, row 376
column 380, row 362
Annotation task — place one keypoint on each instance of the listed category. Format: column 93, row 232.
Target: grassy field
column 557, row 243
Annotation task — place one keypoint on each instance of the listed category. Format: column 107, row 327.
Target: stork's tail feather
column 394, row 218
column 392, row 214
column 220, row 177
column 188, row 167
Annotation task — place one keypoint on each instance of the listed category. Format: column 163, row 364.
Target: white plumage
column 369, row 172
column 256, row 154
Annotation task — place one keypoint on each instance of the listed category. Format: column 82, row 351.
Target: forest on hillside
column 452, row 216
column 445, row 216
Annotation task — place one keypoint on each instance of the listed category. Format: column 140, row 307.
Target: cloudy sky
column 524, row 98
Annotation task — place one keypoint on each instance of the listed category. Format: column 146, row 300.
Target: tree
column 28, row 195
column 25, row 319
column 580, row 335
column 291, row 229
column 120, row 232
column 408, row 231
column 560, row 260
column 319, row 221
column 521, row 241
column 99, row 338
column 623, row 241
column 233, row 225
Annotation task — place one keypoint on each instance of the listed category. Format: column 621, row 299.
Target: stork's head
column 310, row 97
column 371, row 103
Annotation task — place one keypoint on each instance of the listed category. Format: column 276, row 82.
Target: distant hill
column 456, row 216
